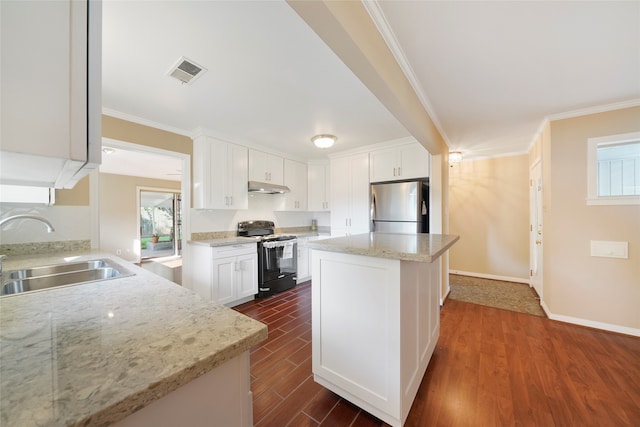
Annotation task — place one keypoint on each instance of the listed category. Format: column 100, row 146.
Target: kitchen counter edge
column 423, row 247
column 180, row 302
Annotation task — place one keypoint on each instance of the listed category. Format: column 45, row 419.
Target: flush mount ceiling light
column 454, row 157
column 324, row 141
column 108, row 150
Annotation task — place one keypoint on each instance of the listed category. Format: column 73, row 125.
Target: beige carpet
column 494, row 293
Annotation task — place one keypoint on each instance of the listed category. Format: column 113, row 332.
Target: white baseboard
column 492, row 276
column 590, row 323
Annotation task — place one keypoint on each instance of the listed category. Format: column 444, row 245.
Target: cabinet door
column 275, row 167
column 265, row 167
column 51, row 91
column 246, row 275
column 318, row 199
column 237, row 177
column 384, row 165
column 201, row 174
column 216, row 186
column 340, row 188
column 414, row 161
column 359, row 197
column 295, row 177
column 223, row 276
column 303, row 262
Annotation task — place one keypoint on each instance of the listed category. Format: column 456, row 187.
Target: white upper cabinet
column 265, row 167
column 407, row 161
column 319, row 186
column 295, row 177
column 51, row 91
column 350, row 195
column 219, row 175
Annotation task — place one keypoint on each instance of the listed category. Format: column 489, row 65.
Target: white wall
column 260, row 208
column 70, row 223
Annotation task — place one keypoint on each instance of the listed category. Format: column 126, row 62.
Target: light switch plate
column 607, row 249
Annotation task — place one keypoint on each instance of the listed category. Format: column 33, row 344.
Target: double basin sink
column 51, row 276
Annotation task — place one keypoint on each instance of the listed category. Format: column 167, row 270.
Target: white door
column 536, row 241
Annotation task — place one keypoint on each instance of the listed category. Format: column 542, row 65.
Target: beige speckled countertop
column 405, row 247
column 223, row 241
column 94, row 353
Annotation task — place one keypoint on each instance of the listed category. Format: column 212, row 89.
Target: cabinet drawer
column 233, row 250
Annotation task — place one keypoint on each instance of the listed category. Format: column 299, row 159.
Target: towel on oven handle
column 287, row 252
column 286, row 245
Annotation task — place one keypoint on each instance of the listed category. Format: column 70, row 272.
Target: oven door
column 277, row 259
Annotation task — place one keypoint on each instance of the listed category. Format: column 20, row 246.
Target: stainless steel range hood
column 267, row 188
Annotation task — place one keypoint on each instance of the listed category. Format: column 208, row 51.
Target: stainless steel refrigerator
column 400, row 207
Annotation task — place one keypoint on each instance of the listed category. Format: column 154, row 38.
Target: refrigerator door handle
column 373, row 212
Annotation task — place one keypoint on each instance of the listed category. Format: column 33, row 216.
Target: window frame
column 592, row 170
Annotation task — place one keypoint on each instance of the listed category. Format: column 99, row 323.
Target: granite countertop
column 94, row 353
column 223, row 241
column 405, row 247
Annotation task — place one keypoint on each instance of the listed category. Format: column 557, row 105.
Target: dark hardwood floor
column 491, row 367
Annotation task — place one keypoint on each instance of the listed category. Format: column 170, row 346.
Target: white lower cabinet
column 225, row 274
column 303, row 272
column 375, row 324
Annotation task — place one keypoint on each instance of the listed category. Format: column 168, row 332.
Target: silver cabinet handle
column 399, row 174
column 394, row 171
column 230, row 200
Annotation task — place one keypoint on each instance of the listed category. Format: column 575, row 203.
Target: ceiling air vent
column 186, row 70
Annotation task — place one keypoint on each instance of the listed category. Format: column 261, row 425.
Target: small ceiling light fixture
column 324, row 141
column 454, row 157
column 108, row 150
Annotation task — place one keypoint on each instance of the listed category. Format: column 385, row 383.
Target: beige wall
column 76, row 196
column 602, row 290
column 123, row 130
column 119, row 212
column 489, row 209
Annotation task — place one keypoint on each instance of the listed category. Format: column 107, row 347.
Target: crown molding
column 594, row 110
column 381, row 23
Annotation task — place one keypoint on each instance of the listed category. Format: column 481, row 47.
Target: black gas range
column 277, row 256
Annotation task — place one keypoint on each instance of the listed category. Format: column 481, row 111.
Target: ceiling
column 489, row 73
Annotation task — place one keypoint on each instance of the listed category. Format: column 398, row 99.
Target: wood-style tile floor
column 491, row 367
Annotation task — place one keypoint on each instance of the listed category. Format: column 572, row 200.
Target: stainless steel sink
column 50, row 276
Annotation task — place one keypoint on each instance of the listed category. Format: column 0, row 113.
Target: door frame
column 536, row 227
column 185, row 189
column 139, row 189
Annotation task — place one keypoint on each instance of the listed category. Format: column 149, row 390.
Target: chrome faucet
column 26, row 216
column 50, row 228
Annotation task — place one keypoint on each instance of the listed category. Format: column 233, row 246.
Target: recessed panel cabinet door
column 222, row 289
column 246, row 275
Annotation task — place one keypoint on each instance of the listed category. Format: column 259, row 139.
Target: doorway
column 160, row 219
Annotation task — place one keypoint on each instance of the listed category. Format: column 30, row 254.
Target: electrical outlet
column 118, row 251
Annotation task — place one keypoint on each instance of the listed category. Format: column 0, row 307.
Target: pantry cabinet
column 219, row 174
column 318, row 187
column 407, row 161
column 295, row 177
column 265, row 167
column 51, row 120
column 350, row 194
column 226, row 274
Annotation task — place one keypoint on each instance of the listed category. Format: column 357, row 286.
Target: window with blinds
column 614, row 169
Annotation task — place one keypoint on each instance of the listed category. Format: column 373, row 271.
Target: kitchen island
column 131, row 351
column 376, row 317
